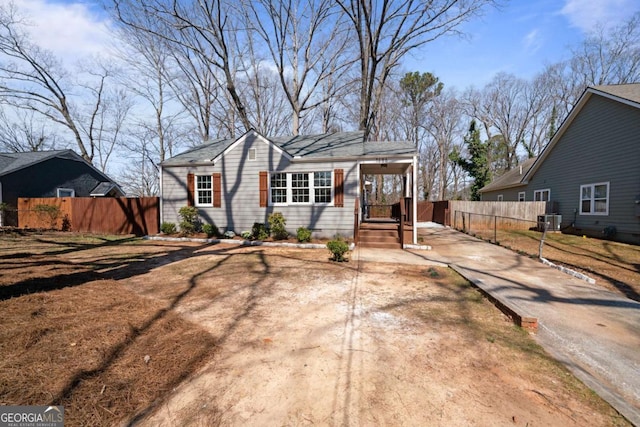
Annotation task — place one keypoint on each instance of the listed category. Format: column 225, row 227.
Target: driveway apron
column 594, row 332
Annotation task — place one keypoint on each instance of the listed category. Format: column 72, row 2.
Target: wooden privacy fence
column 434, row 212
column 493, row 216
column 117, row 215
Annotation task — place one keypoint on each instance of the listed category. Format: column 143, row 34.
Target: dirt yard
column 151, row 333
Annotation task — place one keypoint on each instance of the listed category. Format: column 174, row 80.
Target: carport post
column 414, row 198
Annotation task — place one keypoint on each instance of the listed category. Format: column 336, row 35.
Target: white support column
column 160, row 204
column 414, row 198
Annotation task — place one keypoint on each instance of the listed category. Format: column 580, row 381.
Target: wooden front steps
column 383, row 235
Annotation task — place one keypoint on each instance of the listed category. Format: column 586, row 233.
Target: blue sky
column 519, row 38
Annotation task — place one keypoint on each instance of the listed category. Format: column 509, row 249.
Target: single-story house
column 314, row 181
column 60, row 173
column 591, row 167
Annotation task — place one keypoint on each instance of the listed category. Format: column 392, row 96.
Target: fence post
column 544, row 234
column 495, row 228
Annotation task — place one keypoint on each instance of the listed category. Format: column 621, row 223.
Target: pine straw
column 84, row 347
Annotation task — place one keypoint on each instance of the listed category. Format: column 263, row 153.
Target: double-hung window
column 204, row 190
column 542, row 195
column 278, row 188
column 594, row 199
column 322, row 187
column 300, row 188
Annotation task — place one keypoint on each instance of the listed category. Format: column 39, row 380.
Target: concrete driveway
column 594, row 332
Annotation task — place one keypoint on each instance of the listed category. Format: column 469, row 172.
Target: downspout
column 414, row 198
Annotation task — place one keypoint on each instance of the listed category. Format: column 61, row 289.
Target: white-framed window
column 252, row 154
column 500, row 197
column 204, row 190
column 522, row 196
column 322, row 187
column 543, row 195
column 301, row 188
column 594, row 199
column 65, row 192
column 278, row 188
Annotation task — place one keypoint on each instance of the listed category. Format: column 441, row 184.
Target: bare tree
column 141, row 177
column 149, row 77
column 444, row 125
column 32, row 79
column 307, row 41
column 511, row 108
column 200, row 32
column 387, row 30
column 21, row 131
column 609, row 56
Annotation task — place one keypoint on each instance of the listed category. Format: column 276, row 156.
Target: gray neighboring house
column 315, row 181
column 61, row 173
column 591, row 167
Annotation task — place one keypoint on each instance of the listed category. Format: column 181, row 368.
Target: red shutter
column 264, row 189
column 338, row 190
column 190, row 189
column 216, row 179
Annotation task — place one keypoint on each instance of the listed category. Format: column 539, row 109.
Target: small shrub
column 188, row 219
column 168, row 228
column 246, row 235
column 277, row 226
column 259, row 231
column 229, row 234
column 210, row 230
column 66, row 223
column 303, row 234
column 338, row 248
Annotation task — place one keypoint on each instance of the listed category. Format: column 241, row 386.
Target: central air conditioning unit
column 553, row 222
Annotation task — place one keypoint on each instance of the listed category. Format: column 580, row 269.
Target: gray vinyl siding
column 602, row 144
column 240, row 207
column 508, row 195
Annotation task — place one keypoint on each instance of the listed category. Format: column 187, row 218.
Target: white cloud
column 588, row 14
column 532, row 41
column 69, row 30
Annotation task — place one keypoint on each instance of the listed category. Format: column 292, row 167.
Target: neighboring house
column 314, row 181
column 591, row 167
column 509, row 186
column 60, row 173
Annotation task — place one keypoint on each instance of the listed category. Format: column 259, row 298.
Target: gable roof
column 13, row 162
column 628, row 94
column 314, row 147
column 512, row 178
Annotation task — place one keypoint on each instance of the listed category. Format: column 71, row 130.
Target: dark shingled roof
column 323, row 146
column 11, row 162
column 512, row 178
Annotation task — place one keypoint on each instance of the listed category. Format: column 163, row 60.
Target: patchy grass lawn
column 118, row 329
column 614, row 265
